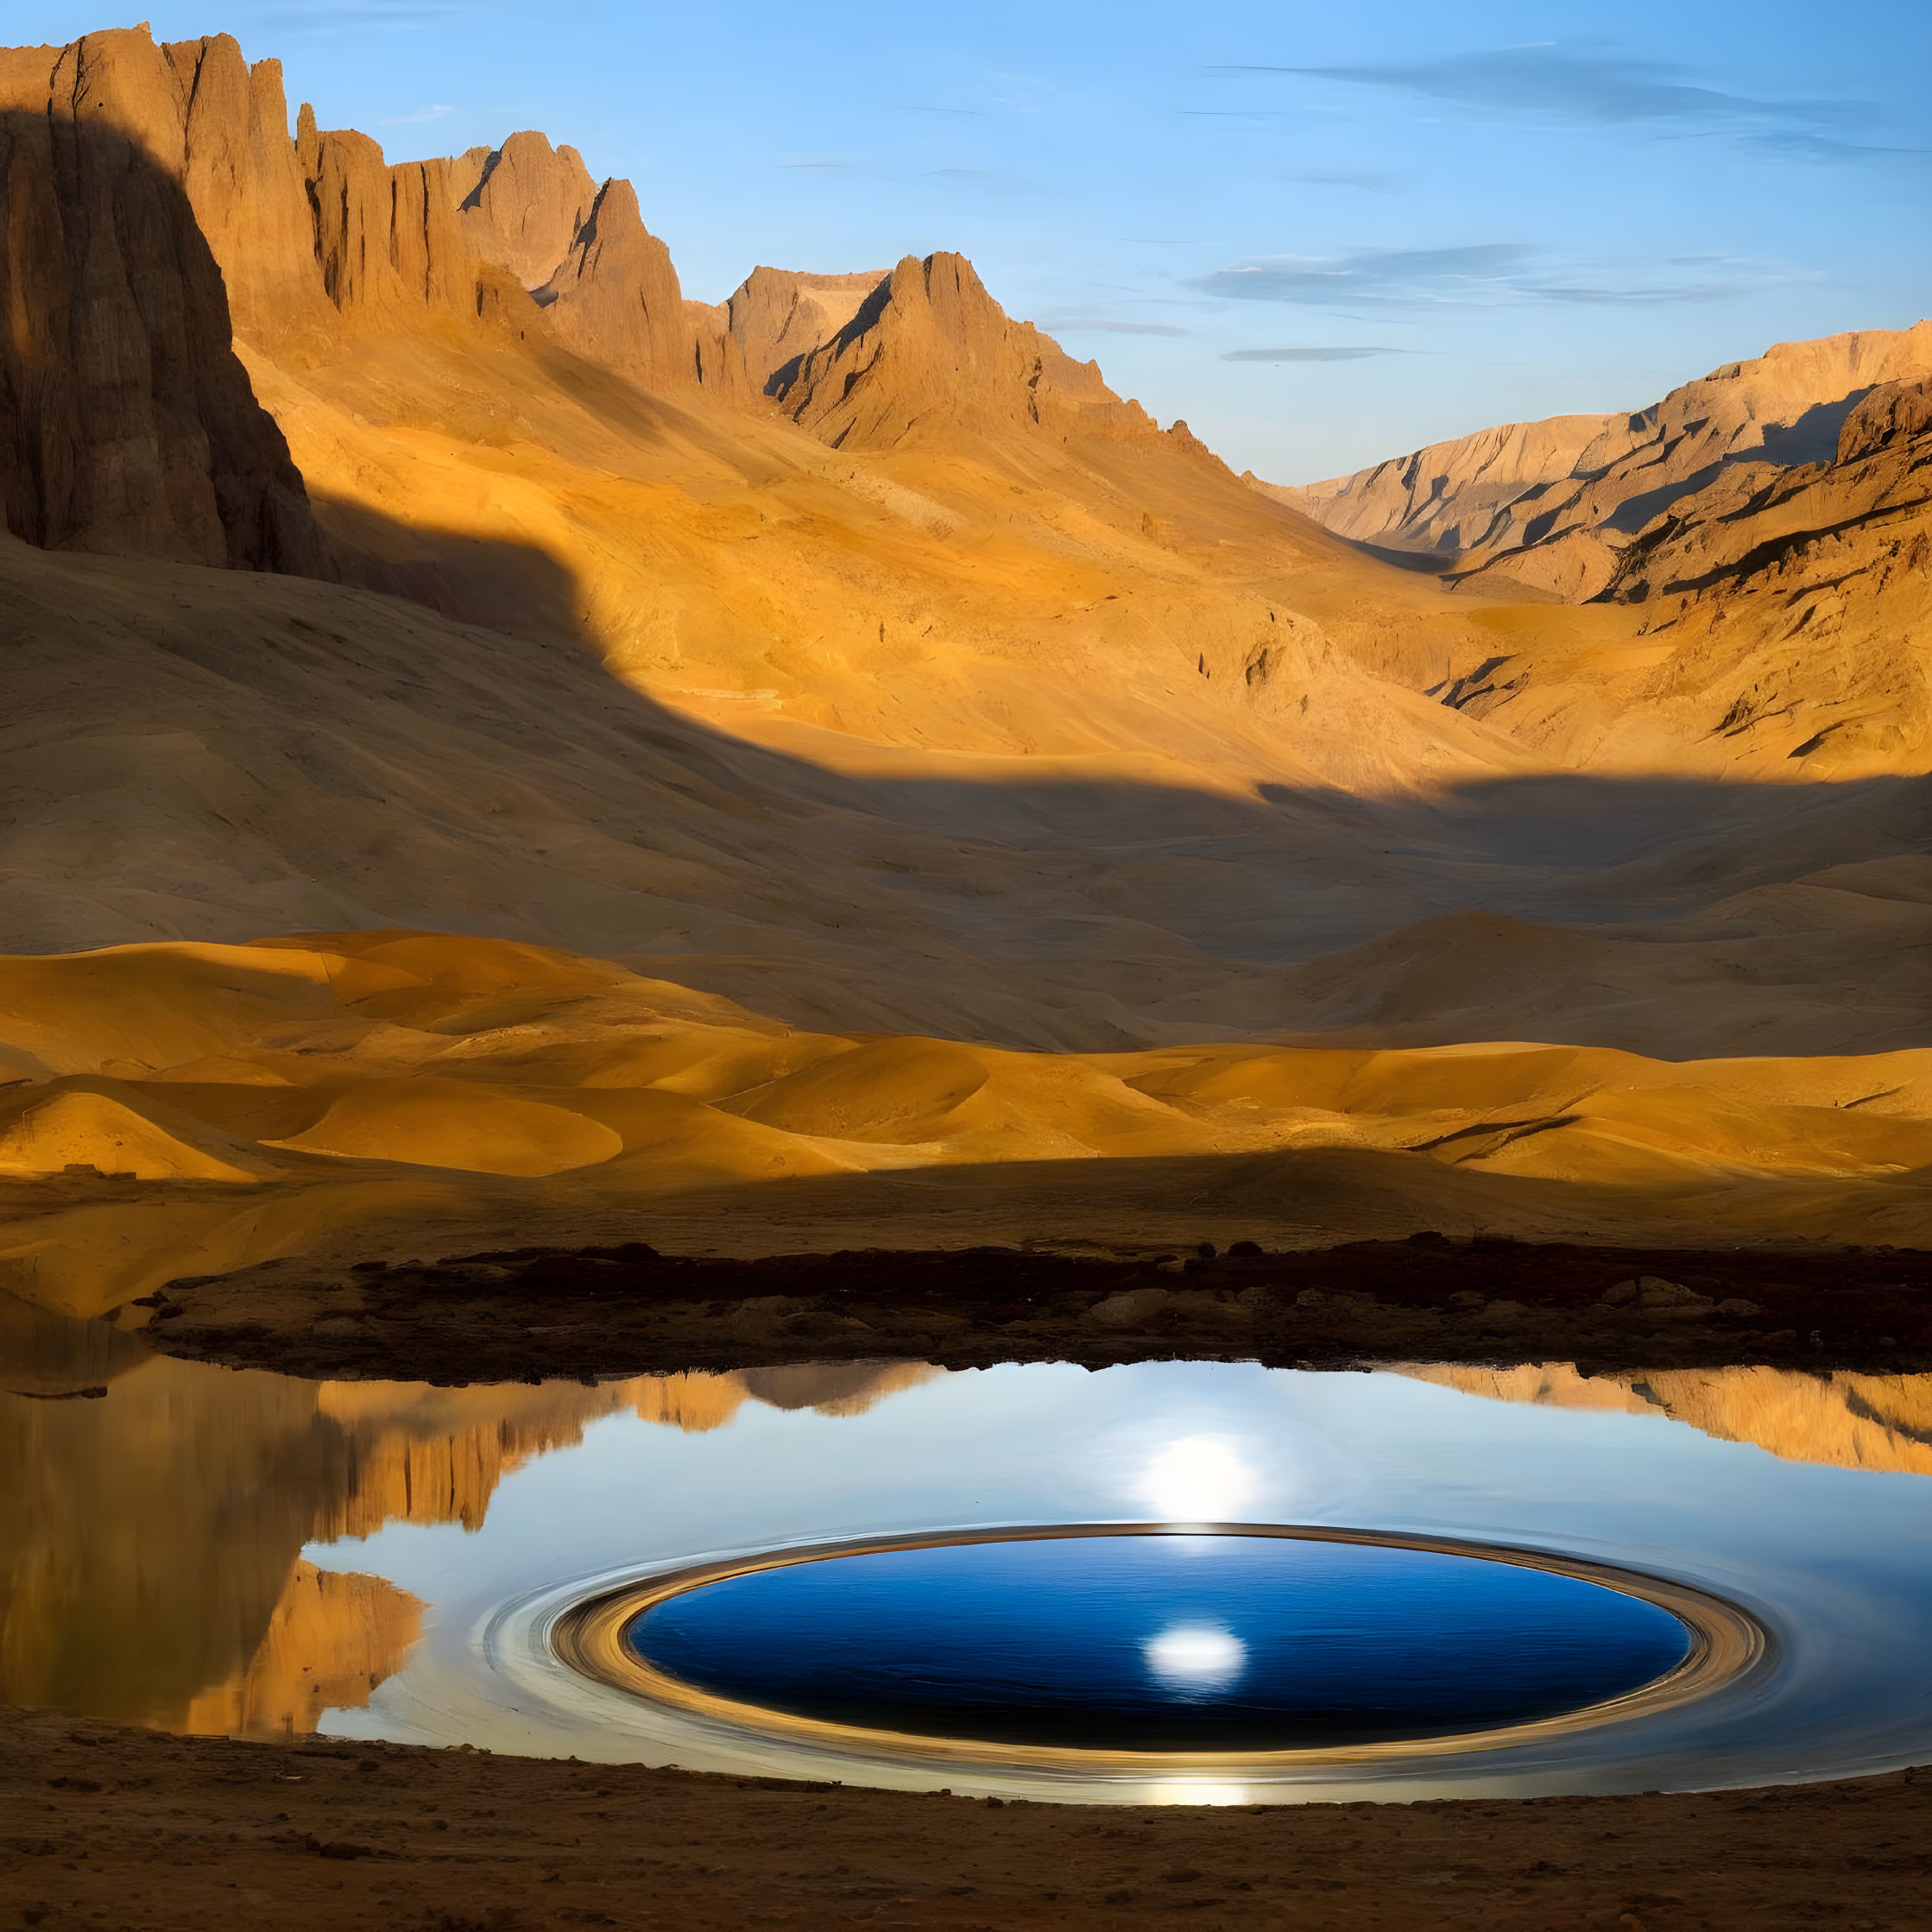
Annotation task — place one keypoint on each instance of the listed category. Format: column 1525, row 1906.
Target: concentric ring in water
column 1229, row 1646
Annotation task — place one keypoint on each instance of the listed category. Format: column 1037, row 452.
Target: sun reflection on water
column 1196, row 1656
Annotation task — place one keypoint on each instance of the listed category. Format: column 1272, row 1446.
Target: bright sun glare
column 1200, row 1478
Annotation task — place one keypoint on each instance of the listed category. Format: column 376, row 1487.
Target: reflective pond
column 215, row 1550
column 1189, row 1642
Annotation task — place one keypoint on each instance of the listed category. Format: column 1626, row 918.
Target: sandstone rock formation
column 387, row 239
column 1785, row 604
column 1007, row 720
column 332, row 1637
column 1551, row 505
column 614, row 297
column 1454, row 497
column 127, row 426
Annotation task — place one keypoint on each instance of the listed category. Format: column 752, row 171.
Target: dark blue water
column 1151, row 1643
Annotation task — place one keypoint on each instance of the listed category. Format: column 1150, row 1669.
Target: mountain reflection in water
column 1846, row 1420
column 153, row 1513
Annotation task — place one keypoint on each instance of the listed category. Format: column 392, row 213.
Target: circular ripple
column 1225, row 1646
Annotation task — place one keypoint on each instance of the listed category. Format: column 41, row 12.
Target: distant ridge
column 1552, row 505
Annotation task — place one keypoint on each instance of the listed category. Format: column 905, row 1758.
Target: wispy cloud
column 1794, row 144
column 1546, row 82
column 1372, row 277
column 421, row 114
column 1489, row 274
column 1335, row 352
column 1109, row 324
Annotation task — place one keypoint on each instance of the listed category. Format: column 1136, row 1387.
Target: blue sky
column 1323, row 234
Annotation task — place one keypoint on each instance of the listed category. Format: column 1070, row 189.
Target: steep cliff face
column 1553, row 505
column 389, row 241
column 127, row 425
column 332, row 1638
column 150, row 1565
column 928, row 351
column 242, row 179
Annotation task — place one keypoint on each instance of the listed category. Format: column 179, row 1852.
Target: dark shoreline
column 546, row 1313
column 141, row 1829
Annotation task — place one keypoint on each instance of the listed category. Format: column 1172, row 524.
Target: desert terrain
column 524, row 792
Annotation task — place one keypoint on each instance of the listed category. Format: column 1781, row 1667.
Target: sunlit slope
column 1127, row 605
column 375, row 1080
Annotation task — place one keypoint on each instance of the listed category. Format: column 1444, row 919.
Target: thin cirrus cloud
column 1488, row 274
column 1795, row 145
column 1548, row 82
column 1107, row 325
column 1329, row 352
column 1372, row 277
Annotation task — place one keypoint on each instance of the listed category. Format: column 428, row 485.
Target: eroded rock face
column 1892, row 412
column 127, row 425
column 239, row 171
column 930, row 349
column 388, row 240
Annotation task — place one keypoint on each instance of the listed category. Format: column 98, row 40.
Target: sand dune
column 381, row 1087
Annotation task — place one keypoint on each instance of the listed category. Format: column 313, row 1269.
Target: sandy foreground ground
column 133, row 1828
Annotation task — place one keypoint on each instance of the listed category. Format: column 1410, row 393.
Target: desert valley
column 764, row 860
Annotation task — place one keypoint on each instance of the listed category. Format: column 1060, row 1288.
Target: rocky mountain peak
column 615, row 296
column 523, row 204
column 928, row 350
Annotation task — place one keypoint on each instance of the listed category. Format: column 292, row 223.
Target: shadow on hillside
column 1049, row 912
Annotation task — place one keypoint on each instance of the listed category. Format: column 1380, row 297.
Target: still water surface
column 215, row 1550
column 1190, row 1642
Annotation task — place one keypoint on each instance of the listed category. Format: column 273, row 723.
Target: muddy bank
column 546, row 1312
column 134, row 1828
